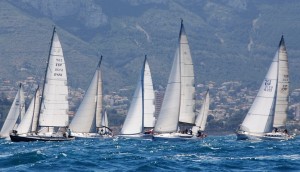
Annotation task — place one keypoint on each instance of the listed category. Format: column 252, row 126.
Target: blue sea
column 214, row 153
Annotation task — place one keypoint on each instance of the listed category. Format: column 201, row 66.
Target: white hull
column 136, row 136
column 243, row 135
column 174, row 136
column 89, row 135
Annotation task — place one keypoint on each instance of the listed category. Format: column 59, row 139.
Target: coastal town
column 229, row 100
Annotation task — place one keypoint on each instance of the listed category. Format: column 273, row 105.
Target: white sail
column 85, row 115
column 83, row 121
column 104, row 121
column 54, row 108
column 25, row 124
column 99, row 96
column 36, row 107
column 260, row 117
column 282, row 94
column 133, row 123
column 13, row 114
column 201, row 119
column 22, row 103
column 187, row 104
column 149, row 107
column 169, row 114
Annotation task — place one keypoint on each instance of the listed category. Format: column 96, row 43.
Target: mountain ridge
column 219, row 32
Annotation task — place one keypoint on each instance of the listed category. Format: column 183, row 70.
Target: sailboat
column 25, row 125
column 105, row 131
column 201, row 119
column 140, row 115
column 178, row 107
column 52, row 119
column 269, row 109
column 88, row 120
column 15, row 114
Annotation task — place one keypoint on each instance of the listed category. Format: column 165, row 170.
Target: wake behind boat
column 269, row 109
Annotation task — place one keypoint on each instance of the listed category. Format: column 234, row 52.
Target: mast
column 45, row 76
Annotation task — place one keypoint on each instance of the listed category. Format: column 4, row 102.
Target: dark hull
column 16, row 138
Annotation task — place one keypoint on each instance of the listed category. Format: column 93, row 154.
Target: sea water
column 214, row 153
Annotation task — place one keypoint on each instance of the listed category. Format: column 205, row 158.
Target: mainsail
column 16, row 110
column 260, row 117
column 282, row 93
column 187, row 104
column 141, row 110
column 201, row 119
column 149, row 98
column 89, row 108
column 54, row 107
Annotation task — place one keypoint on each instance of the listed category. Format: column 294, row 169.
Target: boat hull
column 175, row 136
column 27, row 138
column 242, row 135
column 90, row 135
column 137, row 136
